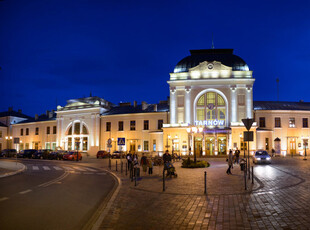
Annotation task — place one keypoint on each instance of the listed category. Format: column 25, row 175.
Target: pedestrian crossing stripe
column 58, row 168
column 35, row 167
column 80, row 169
column 46, row 168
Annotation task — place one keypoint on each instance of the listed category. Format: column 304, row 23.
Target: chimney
column 135, row 104
column 36, row 117
column 155, row 108
column 144, row 105
column 20, row 111
column 10, row 109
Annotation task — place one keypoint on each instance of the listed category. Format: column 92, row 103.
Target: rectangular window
column 267, row 143
column 70, row 143
column 132, row 125
column 146, row 146
column 27, row 131
column 85, row 143
column 108, row 127
column 146, row 125
column 160, row 124
column 54, row 146
column 154, row 145
column 21, row 132
column 21, row 146
column 37, row 131
column 305, row 122
column 277, row 122
column 241, row 99
column 200, row 114
column 120, row 126
column 77, row 128
column 262, row 122
column 0, row 134
column 47, row 145
column 291, row 123
column 27, row 146
column 48, row 130
column 54, row 129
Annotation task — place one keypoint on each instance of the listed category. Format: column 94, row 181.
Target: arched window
column 211, row 106
column 77, row 137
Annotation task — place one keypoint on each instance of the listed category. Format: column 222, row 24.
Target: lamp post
column 191, row 132
column 77, row 150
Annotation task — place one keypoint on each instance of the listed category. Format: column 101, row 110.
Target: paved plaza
column 279, row 198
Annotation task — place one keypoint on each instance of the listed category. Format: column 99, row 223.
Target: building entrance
column 292, row 142
column 222, row 145
column 198, row 147
column 210, row 145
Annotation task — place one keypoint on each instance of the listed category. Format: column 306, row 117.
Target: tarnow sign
column 210, row 123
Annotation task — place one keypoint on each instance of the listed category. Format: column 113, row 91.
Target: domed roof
column 225, row 56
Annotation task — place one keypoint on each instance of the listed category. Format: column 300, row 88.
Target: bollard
column 110, row 163
column 126, row 168
column 116, row 166
column 131, row 172
column 164, row 180
column 121, row 166
column 205, row 182
column 252, row 175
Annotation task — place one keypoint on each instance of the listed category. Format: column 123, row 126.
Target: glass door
column 222, row 146
column 210, row 145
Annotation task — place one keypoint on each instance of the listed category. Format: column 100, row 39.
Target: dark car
column 261, row 157
column 102, row 154
column 27, row 153
column 71, row 156
column 56, row 155
column 117, row 154
column 8, row 153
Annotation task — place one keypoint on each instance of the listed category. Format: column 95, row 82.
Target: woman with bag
column 229, row 162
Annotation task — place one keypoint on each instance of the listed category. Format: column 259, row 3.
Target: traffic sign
column 121, row 140
column 109, row 141
column 248, row 123
column 109, row 146
column 248, row 136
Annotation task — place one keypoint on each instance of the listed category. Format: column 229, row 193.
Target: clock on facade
column 210, row 66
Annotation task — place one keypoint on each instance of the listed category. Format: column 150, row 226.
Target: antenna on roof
column 212, row 45
column 277, row 88
column 90, row 94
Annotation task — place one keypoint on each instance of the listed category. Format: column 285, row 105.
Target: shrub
column 188, row 163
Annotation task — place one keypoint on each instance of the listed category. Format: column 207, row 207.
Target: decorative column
column 233, row 96
column 188, row 111
column 97, row 129
column 203, row 144
column 173, row 103
column 215, row 144
column 93, row 125
column 249, row 101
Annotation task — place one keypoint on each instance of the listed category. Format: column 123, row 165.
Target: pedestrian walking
column 129, row 160
column 150, row 165
column 229, row 162
column 143, row 163
column 237, row 155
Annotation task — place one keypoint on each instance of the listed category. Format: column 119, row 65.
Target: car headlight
column 258, row 158
column 268, row 158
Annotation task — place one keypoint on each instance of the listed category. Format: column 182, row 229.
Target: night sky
column 52, row 51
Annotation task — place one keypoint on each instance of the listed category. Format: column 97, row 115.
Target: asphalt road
column 53, row 195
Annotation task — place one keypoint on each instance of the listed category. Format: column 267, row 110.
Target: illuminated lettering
column 210, row 123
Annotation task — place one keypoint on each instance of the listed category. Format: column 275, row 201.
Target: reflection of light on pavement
column 264, row 171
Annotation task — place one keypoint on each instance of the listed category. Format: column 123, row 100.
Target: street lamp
column 305, row 144
column 191, row 131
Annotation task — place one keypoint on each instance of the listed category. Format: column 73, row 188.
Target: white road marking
column 89, row 169
column 35, row 167
column 80, row 169
column 46, row 168
column 68, row 168
column 26, row 191
column 57, row 168
column 3, row 199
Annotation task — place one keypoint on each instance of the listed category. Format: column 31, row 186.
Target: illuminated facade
column 211, row 91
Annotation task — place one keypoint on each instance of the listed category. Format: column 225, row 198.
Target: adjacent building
column 211, row 91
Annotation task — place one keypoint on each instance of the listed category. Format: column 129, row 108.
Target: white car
column 261, row 157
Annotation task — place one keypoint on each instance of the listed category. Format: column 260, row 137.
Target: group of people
column 231, row 159
column 146, row 163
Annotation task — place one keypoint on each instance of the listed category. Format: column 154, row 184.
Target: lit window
column 77, row 127
column 146, row 146
column 292, row 122
column 201, row 100
column 220, row 100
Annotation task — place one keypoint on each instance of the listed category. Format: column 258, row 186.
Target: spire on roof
column 90, row 94
column 212, row 45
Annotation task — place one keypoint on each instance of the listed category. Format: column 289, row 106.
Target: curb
column 15, row 172
column 95, row 222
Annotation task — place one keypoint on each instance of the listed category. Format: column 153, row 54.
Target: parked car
column 71, row 156
column 28, row 153
column 117, row 154
column 261, row 157
column 103, row 154
column 8, row 153
column 56, row 155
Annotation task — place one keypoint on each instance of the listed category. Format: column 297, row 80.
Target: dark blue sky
column 125, row 50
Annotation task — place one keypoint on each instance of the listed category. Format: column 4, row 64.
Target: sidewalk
column 9, row 168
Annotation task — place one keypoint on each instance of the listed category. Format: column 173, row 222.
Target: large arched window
column 211, row 108
column 77, row 136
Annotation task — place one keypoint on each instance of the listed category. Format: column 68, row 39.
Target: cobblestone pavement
column 279, row 199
